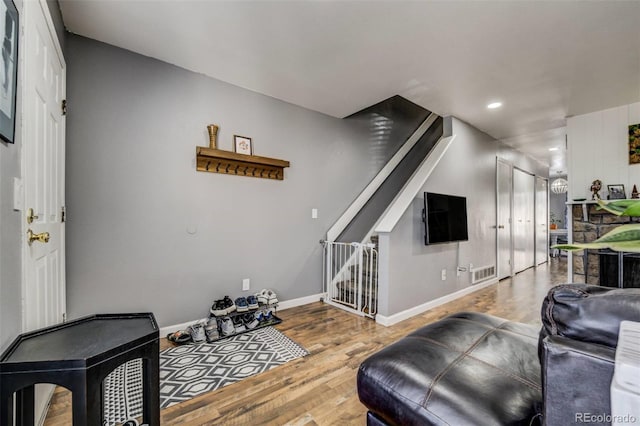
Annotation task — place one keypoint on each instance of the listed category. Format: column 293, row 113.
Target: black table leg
column 25, row 403
column 151, row 386
column 6, row 407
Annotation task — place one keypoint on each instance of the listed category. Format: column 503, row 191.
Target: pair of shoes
column 211, row 330
column 267, row 297
column 251, row 321
column 238, row 324
column 226, row 326
column 222, row 307
column 197, row 332
column 241, row 304
column 252, row 301
column 264, row 316
column 180, row 337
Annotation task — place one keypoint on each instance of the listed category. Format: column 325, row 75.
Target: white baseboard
column 287, row 304
column 416, row 310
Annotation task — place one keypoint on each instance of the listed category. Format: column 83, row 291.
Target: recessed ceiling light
column 494, row 105
column 555, row 148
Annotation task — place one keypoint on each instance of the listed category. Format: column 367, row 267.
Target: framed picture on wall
column 242, row 145
column 8, row 70
column 616, row 192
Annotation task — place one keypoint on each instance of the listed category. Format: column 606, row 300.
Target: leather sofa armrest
column 576, row 377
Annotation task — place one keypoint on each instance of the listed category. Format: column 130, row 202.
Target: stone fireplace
column 588, row 224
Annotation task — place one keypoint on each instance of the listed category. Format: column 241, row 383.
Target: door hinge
column 64, row 107
column 63, row 214
column 64, row 317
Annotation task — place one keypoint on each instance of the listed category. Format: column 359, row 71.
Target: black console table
column 79, row 355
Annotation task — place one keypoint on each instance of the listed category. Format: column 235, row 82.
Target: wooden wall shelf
column 219, row 161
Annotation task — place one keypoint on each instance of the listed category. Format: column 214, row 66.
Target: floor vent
column 482, row 274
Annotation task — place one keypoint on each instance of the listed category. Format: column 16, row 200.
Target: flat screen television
column 445, row 218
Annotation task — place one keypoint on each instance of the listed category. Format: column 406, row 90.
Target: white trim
column 416, row 310
column 375, row 183
column 287, row 304
column 402, row 201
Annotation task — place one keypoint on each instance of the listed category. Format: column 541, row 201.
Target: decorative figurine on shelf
column 634, row 192
column 213, row 135
column 595, row 187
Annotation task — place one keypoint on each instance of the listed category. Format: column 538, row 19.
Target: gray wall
column 134, row 198
column 10, row 231
column 468, row 169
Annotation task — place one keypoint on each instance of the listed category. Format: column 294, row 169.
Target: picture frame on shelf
column 242, row 145
column 8, row 69
column 616, row 192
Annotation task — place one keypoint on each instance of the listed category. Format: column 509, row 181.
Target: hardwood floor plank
column 320, row 389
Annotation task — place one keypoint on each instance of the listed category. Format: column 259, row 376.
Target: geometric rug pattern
column 191, row 370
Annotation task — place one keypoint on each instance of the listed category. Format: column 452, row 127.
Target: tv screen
column 445, row 218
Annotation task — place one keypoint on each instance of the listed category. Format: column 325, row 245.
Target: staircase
column 350, row 265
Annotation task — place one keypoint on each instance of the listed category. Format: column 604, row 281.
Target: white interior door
column 542, row 225
column 523, row 223
column 43, row 130
column 504, row 188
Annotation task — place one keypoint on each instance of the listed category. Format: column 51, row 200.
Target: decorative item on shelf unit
column 8, row 82
column 242, row 145
column 634, row 143
column 554, row 221
column 559, row 186
column 634, row 192
column 213, row 135
column 596, row 186
column 616, row 192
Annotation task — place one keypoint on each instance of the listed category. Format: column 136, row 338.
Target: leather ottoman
column 466, row 369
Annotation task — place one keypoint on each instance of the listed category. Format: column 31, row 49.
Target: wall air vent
column 482, row 273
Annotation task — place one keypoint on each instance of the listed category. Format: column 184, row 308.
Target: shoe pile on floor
column 228, row 317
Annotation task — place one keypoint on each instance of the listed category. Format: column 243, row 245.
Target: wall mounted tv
column 445, row 218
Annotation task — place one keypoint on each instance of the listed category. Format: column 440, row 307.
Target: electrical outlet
column 443, row 275
column 246, row 284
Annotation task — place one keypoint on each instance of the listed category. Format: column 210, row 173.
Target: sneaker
column 267, row 315
column 197, row 333
column 252, row 301
column 259, row 316
column 251, row 321
column 218, row 308
column 267, row 297
column 211, row 330
column 226, row 325
column 241, row 304
column 238, row 324
column 228, row 304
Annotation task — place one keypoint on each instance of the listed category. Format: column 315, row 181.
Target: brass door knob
column 42, row 237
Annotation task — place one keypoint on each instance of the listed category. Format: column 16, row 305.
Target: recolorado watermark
column 604, row 418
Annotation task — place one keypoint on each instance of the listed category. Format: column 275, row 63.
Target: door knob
column 30, row 216
column 500, row 226
column 42, row 237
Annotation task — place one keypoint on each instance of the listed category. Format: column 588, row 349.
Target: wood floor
column 320, row 389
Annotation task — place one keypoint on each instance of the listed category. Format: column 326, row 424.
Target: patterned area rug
column 190, row 370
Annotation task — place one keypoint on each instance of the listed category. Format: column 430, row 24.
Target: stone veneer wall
column 598, row 223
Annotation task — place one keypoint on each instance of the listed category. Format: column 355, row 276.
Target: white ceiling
column 545, row 60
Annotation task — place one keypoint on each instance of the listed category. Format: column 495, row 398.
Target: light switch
column 314, row 213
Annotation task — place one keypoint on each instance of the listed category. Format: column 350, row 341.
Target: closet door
column 542, row 224
column 524, row 217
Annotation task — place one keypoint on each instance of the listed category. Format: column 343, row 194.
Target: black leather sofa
column 477, row 369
